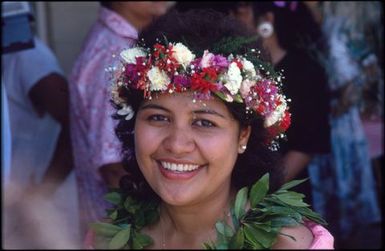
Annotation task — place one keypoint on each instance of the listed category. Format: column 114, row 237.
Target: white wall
column 64, row 26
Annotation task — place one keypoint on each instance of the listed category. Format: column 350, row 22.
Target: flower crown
column 174, row 68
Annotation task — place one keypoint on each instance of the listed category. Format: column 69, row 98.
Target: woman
column 197, row 125
column 291, row 36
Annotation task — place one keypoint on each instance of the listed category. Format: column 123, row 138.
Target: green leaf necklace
column 255, row 228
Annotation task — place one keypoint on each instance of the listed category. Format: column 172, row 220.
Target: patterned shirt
column 92, row 127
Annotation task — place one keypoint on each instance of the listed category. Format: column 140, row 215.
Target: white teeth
column 179, row 167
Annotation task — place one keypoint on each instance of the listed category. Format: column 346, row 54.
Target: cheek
column 221, row 150
column 146, row 141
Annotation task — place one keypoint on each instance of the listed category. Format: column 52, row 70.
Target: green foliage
column 259, row 227
column 256, row 228
column 113, row 197
column 105, row 229
column 229, row 45
column 259, row 190
column 241, row 45
column 141, row 241
column 120, row 239
column 240, row 202
column 291, row 184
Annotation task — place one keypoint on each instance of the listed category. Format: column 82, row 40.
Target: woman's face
column 143, row 9
column 186, row 150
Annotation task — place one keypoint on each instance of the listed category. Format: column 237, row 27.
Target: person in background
column 41, row 191
column 96, row 148
column 289, row 33
column 344, row 183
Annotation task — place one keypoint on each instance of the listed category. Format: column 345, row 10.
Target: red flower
column 286, row 121
column 261, row 108
column 200, row 81
column 239, row 64
column 164, row 60
column 210, row 74
column 278, row 128
column 159, row 51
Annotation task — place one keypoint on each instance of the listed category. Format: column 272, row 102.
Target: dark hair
column 201, row 29
column 223, row 7
column 294, row 24
column 106, row 4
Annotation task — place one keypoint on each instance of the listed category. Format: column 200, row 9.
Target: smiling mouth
column 178, row 167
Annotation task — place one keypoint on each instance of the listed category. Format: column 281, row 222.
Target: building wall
column 64, row 26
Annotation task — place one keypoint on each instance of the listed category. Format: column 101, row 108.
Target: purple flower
column 196, row 62
column 220, row 61
column 293, row 4
column 280, row 3
column 181, row 80
column 131, row 72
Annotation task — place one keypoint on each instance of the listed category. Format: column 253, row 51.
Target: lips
column 179, row 167
column 178, row 171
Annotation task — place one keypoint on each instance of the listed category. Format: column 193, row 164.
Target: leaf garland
column 256, row 228
column 127, row 218
column 259, row 227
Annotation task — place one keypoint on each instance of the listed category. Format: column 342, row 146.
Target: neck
column 139, row 22
column 275, row 50
column 190, row 226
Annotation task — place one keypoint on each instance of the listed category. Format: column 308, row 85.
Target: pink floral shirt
column 92, row 128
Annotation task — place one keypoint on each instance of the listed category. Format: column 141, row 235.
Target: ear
column 243, row 139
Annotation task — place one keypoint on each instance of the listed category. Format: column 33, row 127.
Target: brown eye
column 157, row 117
column 204, row 123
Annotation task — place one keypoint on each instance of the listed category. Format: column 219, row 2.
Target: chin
column 177, row 197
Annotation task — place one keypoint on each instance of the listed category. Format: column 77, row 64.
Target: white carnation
column 248, row 67
column 126, row 111
column 277, row 114
column 233, row 79
column 130, row 55
column 182, row 54
column 158, row 79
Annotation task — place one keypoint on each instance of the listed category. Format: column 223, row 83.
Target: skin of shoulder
column 304, row 238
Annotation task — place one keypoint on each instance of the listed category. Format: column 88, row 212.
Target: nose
column 179, row 141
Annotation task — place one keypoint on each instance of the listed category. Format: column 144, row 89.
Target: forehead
column 186, row 101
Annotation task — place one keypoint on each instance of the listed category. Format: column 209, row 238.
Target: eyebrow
column 154, row 106
column 202, row 111
column 208, row 111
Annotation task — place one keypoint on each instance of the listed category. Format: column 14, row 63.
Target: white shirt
column 33, row 137
column 34, row 140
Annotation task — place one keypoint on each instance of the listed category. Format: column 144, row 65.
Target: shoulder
column 36, row 56
column 303, row 238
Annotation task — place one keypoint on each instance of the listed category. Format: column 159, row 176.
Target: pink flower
column 245, row 87
column 207, row 59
